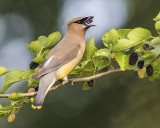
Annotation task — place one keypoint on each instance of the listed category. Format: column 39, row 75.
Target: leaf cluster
column 41, row 49
column 129, row 49
column 120, row 45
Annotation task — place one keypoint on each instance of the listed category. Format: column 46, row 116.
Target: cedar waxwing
column 63, row 57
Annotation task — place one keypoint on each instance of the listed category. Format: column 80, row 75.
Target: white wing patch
column 48, row 61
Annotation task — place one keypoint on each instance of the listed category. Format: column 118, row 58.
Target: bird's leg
column 65, row 78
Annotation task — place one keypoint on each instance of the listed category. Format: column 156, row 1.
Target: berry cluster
column 133, row 60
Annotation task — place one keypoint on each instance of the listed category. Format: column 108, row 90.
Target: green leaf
column 103, row 53
column 123, row 33
column 38, row 60
column 135, row 37
column 89, row 70
column 3, row 114
column 3, row 71
column 84, row 63
column 43, row 40
column 33, row 82
column 90, row 49
column 147, row 57
column 120, row 58
column 157, row 26
column 155, row 42
column 86, row 87
column 53, row 39
column 7, row 108
column 156, row 69
column 81, row 65
column 76, row 70
column 15, row 110
column 4, row 111
column 101, row 62
column 157, row 17
column 122, row 45
column 139, row 34
column 11, row 78
column 84, row 68
column 110, row 37
column 17, row 103
column 86, row 73
column 156, row 51
column 28, row 73
column 45, row 53
column 15, row 96
column 100, row 58
column 35, row 47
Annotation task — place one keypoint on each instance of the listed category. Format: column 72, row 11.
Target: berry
column 149, row 70
column 146, row 47
column 33, row 65
column 140, row 64
column 133, row 58
column 90, row 83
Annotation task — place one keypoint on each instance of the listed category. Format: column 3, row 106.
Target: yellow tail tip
column 36, row 107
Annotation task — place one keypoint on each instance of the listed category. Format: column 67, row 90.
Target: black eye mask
column 86, row 21
column 81, row 21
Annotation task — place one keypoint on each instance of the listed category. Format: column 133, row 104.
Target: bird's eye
column 79, row 22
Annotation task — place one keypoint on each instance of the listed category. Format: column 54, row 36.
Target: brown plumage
column 63, row 57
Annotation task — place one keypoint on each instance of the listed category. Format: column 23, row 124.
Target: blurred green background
column 120, row 100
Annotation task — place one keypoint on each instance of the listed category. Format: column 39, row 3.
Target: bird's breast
column 65, row 69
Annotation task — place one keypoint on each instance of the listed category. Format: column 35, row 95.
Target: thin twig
column 72, row 80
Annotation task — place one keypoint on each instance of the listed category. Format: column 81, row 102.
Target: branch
column 72, row 80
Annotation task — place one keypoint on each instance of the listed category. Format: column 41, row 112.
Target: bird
column 63, row 57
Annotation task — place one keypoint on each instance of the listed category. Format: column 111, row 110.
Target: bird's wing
column 58, row 58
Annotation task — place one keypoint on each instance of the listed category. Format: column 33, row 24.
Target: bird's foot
column 72, row 81
column 65, row 78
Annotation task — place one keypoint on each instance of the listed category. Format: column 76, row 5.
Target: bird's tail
column 45, row 84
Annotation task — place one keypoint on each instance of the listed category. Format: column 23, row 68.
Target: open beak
column 88, row 22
